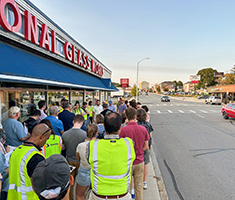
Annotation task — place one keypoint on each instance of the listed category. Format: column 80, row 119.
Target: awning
column 17, row 65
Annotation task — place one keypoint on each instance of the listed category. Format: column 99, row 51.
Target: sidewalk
column 152, row 192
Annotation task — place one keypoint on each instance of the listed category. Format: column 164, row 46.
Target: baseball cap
column 110, row 101
column 51, row 177
column 13, row 110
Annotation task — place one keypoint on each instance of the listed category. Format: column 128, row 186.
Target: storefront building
column 40, row 61
column 226, row 92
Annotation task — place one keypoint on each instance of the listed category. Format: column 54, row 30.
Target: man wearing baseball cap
column 111, row 106
column 52, row 179
column 14, row 130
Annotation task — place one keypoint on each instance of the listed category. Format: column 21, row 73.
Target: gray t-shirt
column 71, row 139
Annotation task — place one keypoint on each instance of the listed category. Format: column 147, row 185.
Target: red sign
column 31, row 34
column 194, row 81
column 124, row 82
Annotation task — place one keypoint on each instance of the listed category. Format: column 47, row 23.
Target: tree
column 158, row 89
column 207, row 77
column 133, row 91
column 116, row 84
column 179, row 83
column 175, row 85
column 228, row 79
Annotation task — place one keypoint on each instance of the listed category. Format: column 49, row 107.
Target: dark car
column 203, row 97
column 165, row 98
column 228, row 111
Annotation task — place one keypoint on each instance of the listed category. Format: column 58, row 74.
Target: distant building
column 143, row 85
column 167, row 84
column 188, row 86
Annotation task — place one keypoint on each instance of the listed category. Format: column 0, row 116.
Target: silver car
column 213, row 100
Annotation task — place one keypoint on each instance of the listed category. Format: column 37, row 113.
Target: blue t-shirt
column 67, row 119
column 112, row 107
column 57, row 125
column 14, row 132
column 122, row 108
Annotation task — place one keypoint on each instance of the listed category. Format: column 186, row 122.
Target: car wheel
column 225, row 115
column 219, row 103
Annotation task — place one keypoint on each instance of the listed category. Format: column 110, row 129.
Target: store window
column 77, row 96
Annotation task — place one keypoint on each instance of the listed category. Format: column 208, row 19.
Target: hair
column 66, row 104
column 126, row 102
column 131, row 113
column 41, row 104
column 76, row 103
column 145, row 108
column 138, row 103
column 57, row 103
column 84, row 103
column 91, row 130
column 123, row 115
column 63, row 99
column 90, row 102
column 48, row 123
column 97, row 100
column 78, row 119
column 53, row 110
column 133, row 104
column 99, row 119
column 112, row 122
column 105, row 105
column 36, row 113
column 141, row 115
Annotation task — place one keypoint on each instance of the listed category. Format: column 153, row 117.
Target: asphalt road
column 194, row 147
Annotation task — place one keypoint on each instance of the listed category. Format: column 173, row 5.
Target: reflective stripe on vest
column 95, row 164
column 22, row 189
column 60, row 109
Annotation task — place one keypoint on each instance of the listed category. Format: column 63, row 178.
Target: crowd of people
column 103, row 149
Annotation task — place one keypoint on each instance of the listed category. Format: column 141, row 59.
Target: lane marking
column 171, row 104
column 181, row 111
column 200, row 116
column 203, row 111
column 158, row 111
column 170, row 111
column 192, row 111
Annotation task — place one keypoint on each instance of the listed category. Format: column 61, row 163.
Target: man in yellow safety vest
column 90, row 109
column 111, row 162
column 23, row 161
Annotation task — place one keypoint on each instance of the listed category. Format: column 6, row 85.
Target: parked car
column 165, row 98
column 228, row 111
column 203, row 97
column 213, row 100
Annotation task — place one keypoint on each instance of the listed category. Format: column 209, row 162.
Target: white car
column 213, row 100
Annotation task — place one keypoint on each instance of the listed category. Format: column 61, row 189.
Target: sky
column 179, row 36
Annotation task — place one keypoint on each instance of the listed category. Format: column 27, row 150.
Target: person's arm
column 26, row 137
column 78, row 156
column 1, row 182
column 61, row 132
column 146, row 145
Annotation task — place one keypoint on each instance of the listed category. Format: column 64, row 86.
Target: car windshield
column 166, row 97
column 217, row 97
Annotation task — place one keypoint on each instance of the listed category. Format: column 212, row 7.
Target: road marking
column 158, row 111
column 150, row 105
column 170, row 111
column 171, row 104
column 164, row 104
column 157, row 104
column 200, row 116
column 192, row 111
column 178, row 104
column 203, row 111
column 181, row 111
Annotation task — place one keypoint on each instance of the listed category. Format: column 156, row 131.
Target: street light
column 138, row 77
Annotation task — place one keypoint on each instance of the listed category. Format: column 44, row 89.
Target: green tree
column 228, row 79
column 150, row 90
column 175, row 85
column 179, row 83
column 133, row 91
column 116, row 84
column 158, row 89
column 207, row 77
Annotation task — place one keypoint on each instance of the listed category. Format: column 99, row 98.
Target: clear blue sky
column 180, row 36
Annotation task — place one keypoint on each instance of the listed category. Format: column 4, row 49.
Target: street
column 194, row 147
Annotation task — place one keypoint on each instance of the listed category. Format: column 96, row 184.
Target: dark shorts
column 146, row 157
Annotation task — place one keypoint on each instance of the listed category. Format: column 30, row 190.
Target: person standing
column 71, row 139
column 90, row 109
column 56, row 123
column 97, row 110
column 111, row 106
column 33, row 120
column 61, row 107
column 14, row 130
column 83, row 177
column 105, row 110
column 87, row 113
column 22, row 163
column 66, row 117
column 42, row 106
column 140, row 137
column 122, row 108
column 108, row 181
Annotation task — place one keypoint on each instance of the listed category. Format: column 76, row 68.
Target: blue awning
column 21, row 66
column 108, row 84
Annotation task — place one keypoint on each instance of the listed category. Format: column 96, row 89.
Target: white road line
column 170, row 111
column 213, row 110
column 158, row 111
column 181, row 111
column 164, row 104
column 171, row 104
column 178, row 104
column 150, row 105
column 157, row 104
column 203, row 111
column 200, row 116
column 192, row 111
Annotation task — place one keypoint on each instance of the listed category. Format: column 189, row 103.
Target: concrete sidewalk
column 152, row 192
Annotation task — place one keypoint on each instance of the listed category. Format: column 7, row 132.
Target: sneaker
column 133, row 196
column 145, row 186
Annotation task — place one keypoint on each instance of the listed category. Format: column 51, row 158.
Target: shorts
column 83, row 177
column 146, row 157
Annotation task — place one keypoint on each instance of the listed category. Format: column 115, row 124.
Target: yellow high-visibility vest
column 111, row 164
column 53, row 146
column 20, row 186
column 90, row 109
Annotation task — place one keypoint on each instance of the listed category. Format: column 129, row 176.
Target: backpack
column 148, row 128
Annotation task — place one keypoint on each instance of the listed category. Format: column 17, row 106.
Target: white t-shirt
column 97, row 110
column 81, row 149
